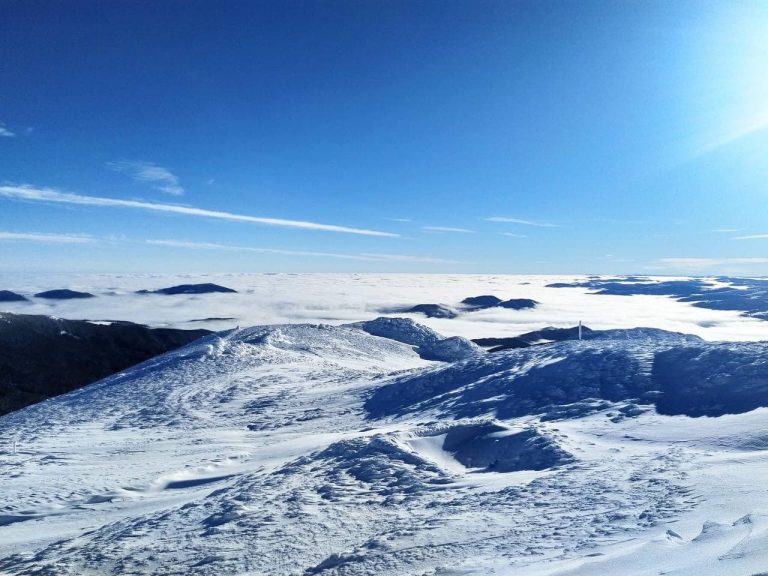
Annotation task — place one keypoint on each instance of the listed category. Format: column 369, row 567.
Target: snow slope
column 312, row 449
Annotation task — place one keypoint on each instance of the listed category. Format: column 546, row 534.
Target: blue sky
column 477, row 136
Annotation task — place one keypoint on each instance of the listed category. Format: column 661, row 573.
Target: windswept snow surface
column 312, row 449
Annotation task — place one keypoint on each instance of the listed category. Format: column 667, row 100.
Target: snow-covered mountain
column 381, row 448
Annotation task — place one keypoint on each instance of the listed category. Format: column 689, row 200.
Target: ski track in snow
column 254, row 452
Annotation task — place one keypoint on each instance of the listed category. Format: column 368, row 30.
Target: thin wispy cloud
column 749, row 126
column 304, row 253
column 45, row 237
column 447, row 229
column 699, row 263
column 407, row 258
column 512, row 235
column 507, row 220
column 751, row 237
column 32, row 194
column 159, row 177
column 726, row 230
column 4, row 132
column 400, row 219
column 621, row 221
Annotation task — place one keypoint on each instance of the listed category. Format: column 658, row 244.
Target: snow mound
column 712, row 379
column 381, row 465
column 429, row 344
column 645, row 366
column 493, row 447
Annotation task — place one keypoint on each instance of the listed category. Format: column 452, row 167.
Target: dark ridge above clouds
column 429, row 310
column 206, row 288
column 63, row 294
column 490, row 301
column 8, row 296
column 42, row 356
column 470, row 304
column 485, row 301
column 518, row 304
column 746, row 295
column 548, row 334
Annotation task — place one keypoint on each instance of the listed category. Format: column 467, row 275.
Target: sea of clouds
column 340, row 298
